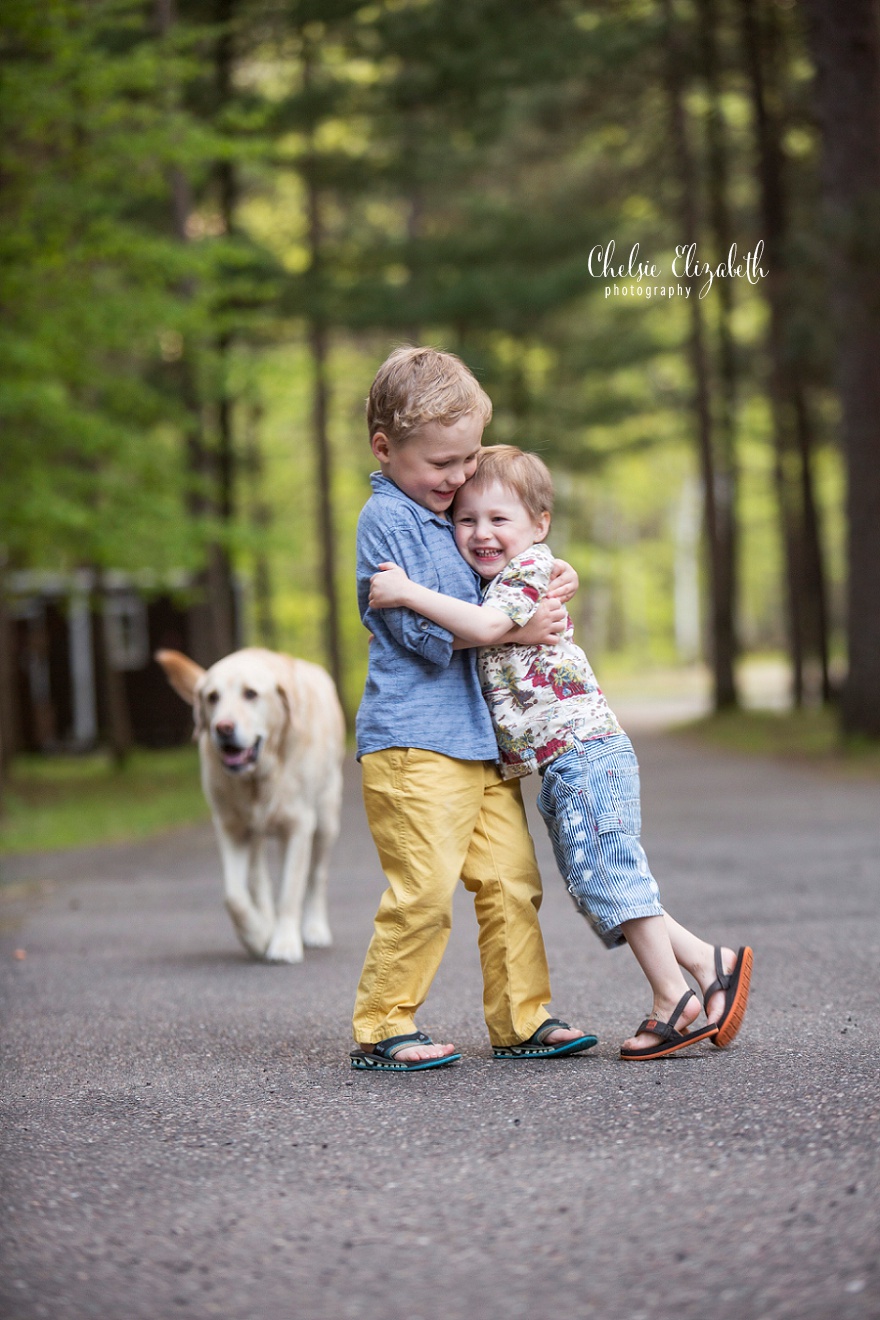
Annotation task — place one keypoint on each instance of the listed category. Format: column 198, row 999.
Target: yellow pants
column 436, row 820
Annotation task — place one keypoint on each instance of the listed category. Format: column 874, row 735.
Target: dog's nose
column 225, row 728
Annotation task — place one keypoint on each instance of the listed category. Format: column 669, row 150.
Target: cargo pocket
column 619, row 793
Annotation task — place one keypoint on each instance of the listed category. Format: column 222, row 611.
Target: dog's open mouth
column 236, row 758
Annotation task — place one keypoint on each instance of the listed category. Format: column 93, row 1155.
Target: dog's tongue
column 236, row 758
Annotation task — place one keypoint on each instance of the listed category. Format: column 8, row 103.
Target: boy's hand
column 564, row 581
column 546, row 625
column 388, row 587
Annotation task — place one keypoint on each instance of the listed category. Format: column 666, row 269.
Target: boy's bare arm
column 472, row 625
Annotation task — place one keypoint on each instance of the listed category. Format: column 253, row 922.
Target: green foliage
column 100, row 296
column 160, row 261
column 810, row 736
column 66, row 802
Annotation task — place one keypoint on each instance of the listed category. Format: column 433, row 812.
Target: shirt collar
column 385, row 486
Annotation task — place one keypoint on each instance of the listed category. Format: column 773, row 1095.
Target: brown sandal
column 669, row 1040
column 735, row 985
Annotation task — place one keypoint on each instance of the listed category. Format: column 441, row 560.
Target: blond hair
column 524, row 474
column 415, row 386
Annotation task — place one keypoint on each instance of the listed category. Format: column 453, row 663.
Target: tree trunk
column 846, row 51
column 326, row 521
column 318, row 348
column 725, row 596
column 112, row 684
column 260, row 518
column 815, row 586
column 9, row 729
column 807, row 615
column 227, row 187
column 724, row 688
column 210, row 617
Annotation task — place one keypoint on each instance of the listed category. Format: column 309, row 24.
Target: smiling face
column 493, row 525
column 434, row 463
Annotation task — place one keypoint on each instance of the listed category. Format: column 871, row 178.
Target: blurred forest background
column 219, row 216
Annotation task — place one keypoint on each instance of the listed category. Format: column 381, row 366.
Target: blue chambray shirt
column 419, row 692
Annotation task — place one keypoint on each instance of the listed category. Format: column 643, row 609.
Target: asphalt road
column 183, row 1135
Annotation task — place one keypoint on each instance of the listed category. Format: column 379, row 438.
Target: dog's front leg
column 286, row 944
column 254, row 929
column 315, row 924
column 259, row 881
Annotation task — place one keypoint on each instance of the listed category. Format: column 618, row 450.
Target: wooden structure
column 69, row 637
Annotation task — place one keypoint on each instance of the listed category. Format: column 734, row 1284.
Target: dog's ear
column 285, row 701
column 200, row 715
column 284, row 730
column 182, row 673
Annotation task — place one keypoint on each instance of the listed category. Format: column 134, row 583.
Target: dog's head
column 238, row 703
column 241, row 705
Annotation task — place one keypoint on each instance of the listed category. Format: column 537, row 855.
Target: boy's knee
column 421, row 912
column 511, row 888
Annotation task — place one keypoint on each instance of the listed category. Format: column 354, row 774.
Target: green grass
column 808, row 736
column 54, row 802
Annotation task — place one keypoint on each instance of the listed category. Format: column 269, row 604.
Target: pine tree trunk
column 725, row 595
column 815, row 586
column 724, row 689
column 210, row 618
column 227, row 187
column 261, row 520
column 7, row 696
column 793, row 436
column 318, row 348
column 326, row 521
column 845, row 46
column 112, row 685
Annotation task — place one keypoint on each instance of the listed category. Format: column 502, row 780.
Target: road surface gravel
column 183, row 1136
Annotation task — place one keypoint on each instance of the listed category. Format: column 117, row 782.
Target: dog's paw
column 285, row 946
column 316, row 932
column 254, row 930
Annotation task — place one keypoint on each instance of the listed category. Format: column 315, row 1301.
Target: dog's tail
column 182, row 673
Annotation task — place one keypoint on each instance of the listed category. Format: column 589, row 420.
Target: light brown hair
column 524, row 474
column 415, row 386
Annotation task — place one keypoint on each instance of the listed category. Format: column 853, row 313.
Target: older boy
column 438, row 809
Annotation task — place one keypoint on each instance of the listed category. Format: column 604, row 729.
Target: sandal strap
column 657, row 1028
column 552, row 1024
column 386, row 1049
column 722, row 981
column 679, row 1007
column 666, row 1030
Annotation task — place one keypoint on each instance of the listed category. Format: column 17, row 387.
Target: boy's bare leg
column 649, row 940
column 698, row 958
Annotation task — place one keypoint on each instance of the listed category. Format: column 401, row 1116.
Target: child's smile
column 493, row 526
column 432, row 465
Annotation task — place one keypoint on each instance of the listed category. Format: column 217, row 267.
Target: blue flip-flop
column 534, row 1047
column 381, row 1057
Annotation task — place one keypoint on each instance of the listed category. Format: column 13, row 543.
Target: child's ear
column 542, row 527
column 381, row 446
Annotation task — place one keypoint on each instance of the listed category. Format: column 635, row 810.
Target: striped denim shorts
column 590, row 803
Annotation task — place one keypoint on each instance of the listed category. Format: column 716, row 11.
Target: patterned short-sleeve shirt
column 540, row 697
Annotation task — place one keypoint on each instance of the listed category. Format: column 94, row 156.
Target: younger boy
column 438, row 809
column 550, row 714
